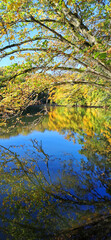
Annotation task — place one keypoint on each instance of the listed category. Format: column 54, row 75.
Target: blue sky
column 6, row 61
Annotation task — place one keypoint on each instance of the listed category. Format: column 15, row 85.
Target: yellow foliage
column 12, row 57
column 12, row 37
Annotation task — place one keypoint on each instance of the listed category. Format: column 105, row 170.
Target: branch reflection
column 43, row 197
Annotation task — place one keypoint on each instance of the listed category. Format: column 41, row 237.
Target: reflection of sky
column 60, row 150
column 62, row 167
column 53, row 143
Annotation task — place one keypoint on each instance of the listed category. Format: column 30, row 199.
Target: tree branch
column 54, row 32
column 26, row 41
column 72, row 82
column 74, row 20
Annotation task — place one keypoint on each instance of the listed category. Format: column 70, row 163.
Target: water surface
column 55, row 175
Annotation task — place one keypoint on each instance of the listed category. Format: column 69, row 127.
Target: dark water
column 55, row 175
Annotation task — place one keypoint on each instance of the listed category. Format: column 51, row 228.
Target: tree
column 59, row 42
column 59, row 36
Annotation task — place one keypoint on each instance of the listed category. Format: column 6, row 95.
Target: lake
column 55, row 175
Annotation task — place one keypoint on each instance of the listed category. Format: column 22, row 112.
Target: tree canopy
column 56, row 37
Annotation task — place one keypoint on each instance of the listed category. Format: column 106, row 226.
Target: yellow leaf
column 28, row 54
column 10, row 6
column 12, row 57
column 12, row 37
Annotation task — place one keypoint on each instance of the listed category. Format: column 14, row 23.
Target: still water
column 55, row 175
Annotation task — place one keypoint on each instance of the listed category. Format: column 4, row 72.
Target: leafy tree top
column 59, row 36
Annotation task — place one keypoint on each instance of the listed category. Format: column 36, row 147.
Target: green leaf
column 96, row 55
column 102, row 55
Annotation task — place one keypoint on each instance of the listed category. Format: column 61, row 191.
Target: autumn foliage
column 59, row 39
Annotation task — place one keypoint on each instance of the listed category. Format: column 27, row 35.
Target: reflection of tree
column 93, row 127
column 90, row 124
column 24, row 124
column 39, row 203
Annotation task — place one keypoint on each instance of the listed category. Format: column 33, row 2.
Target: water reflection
column 45, row 196
column 37, row 205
